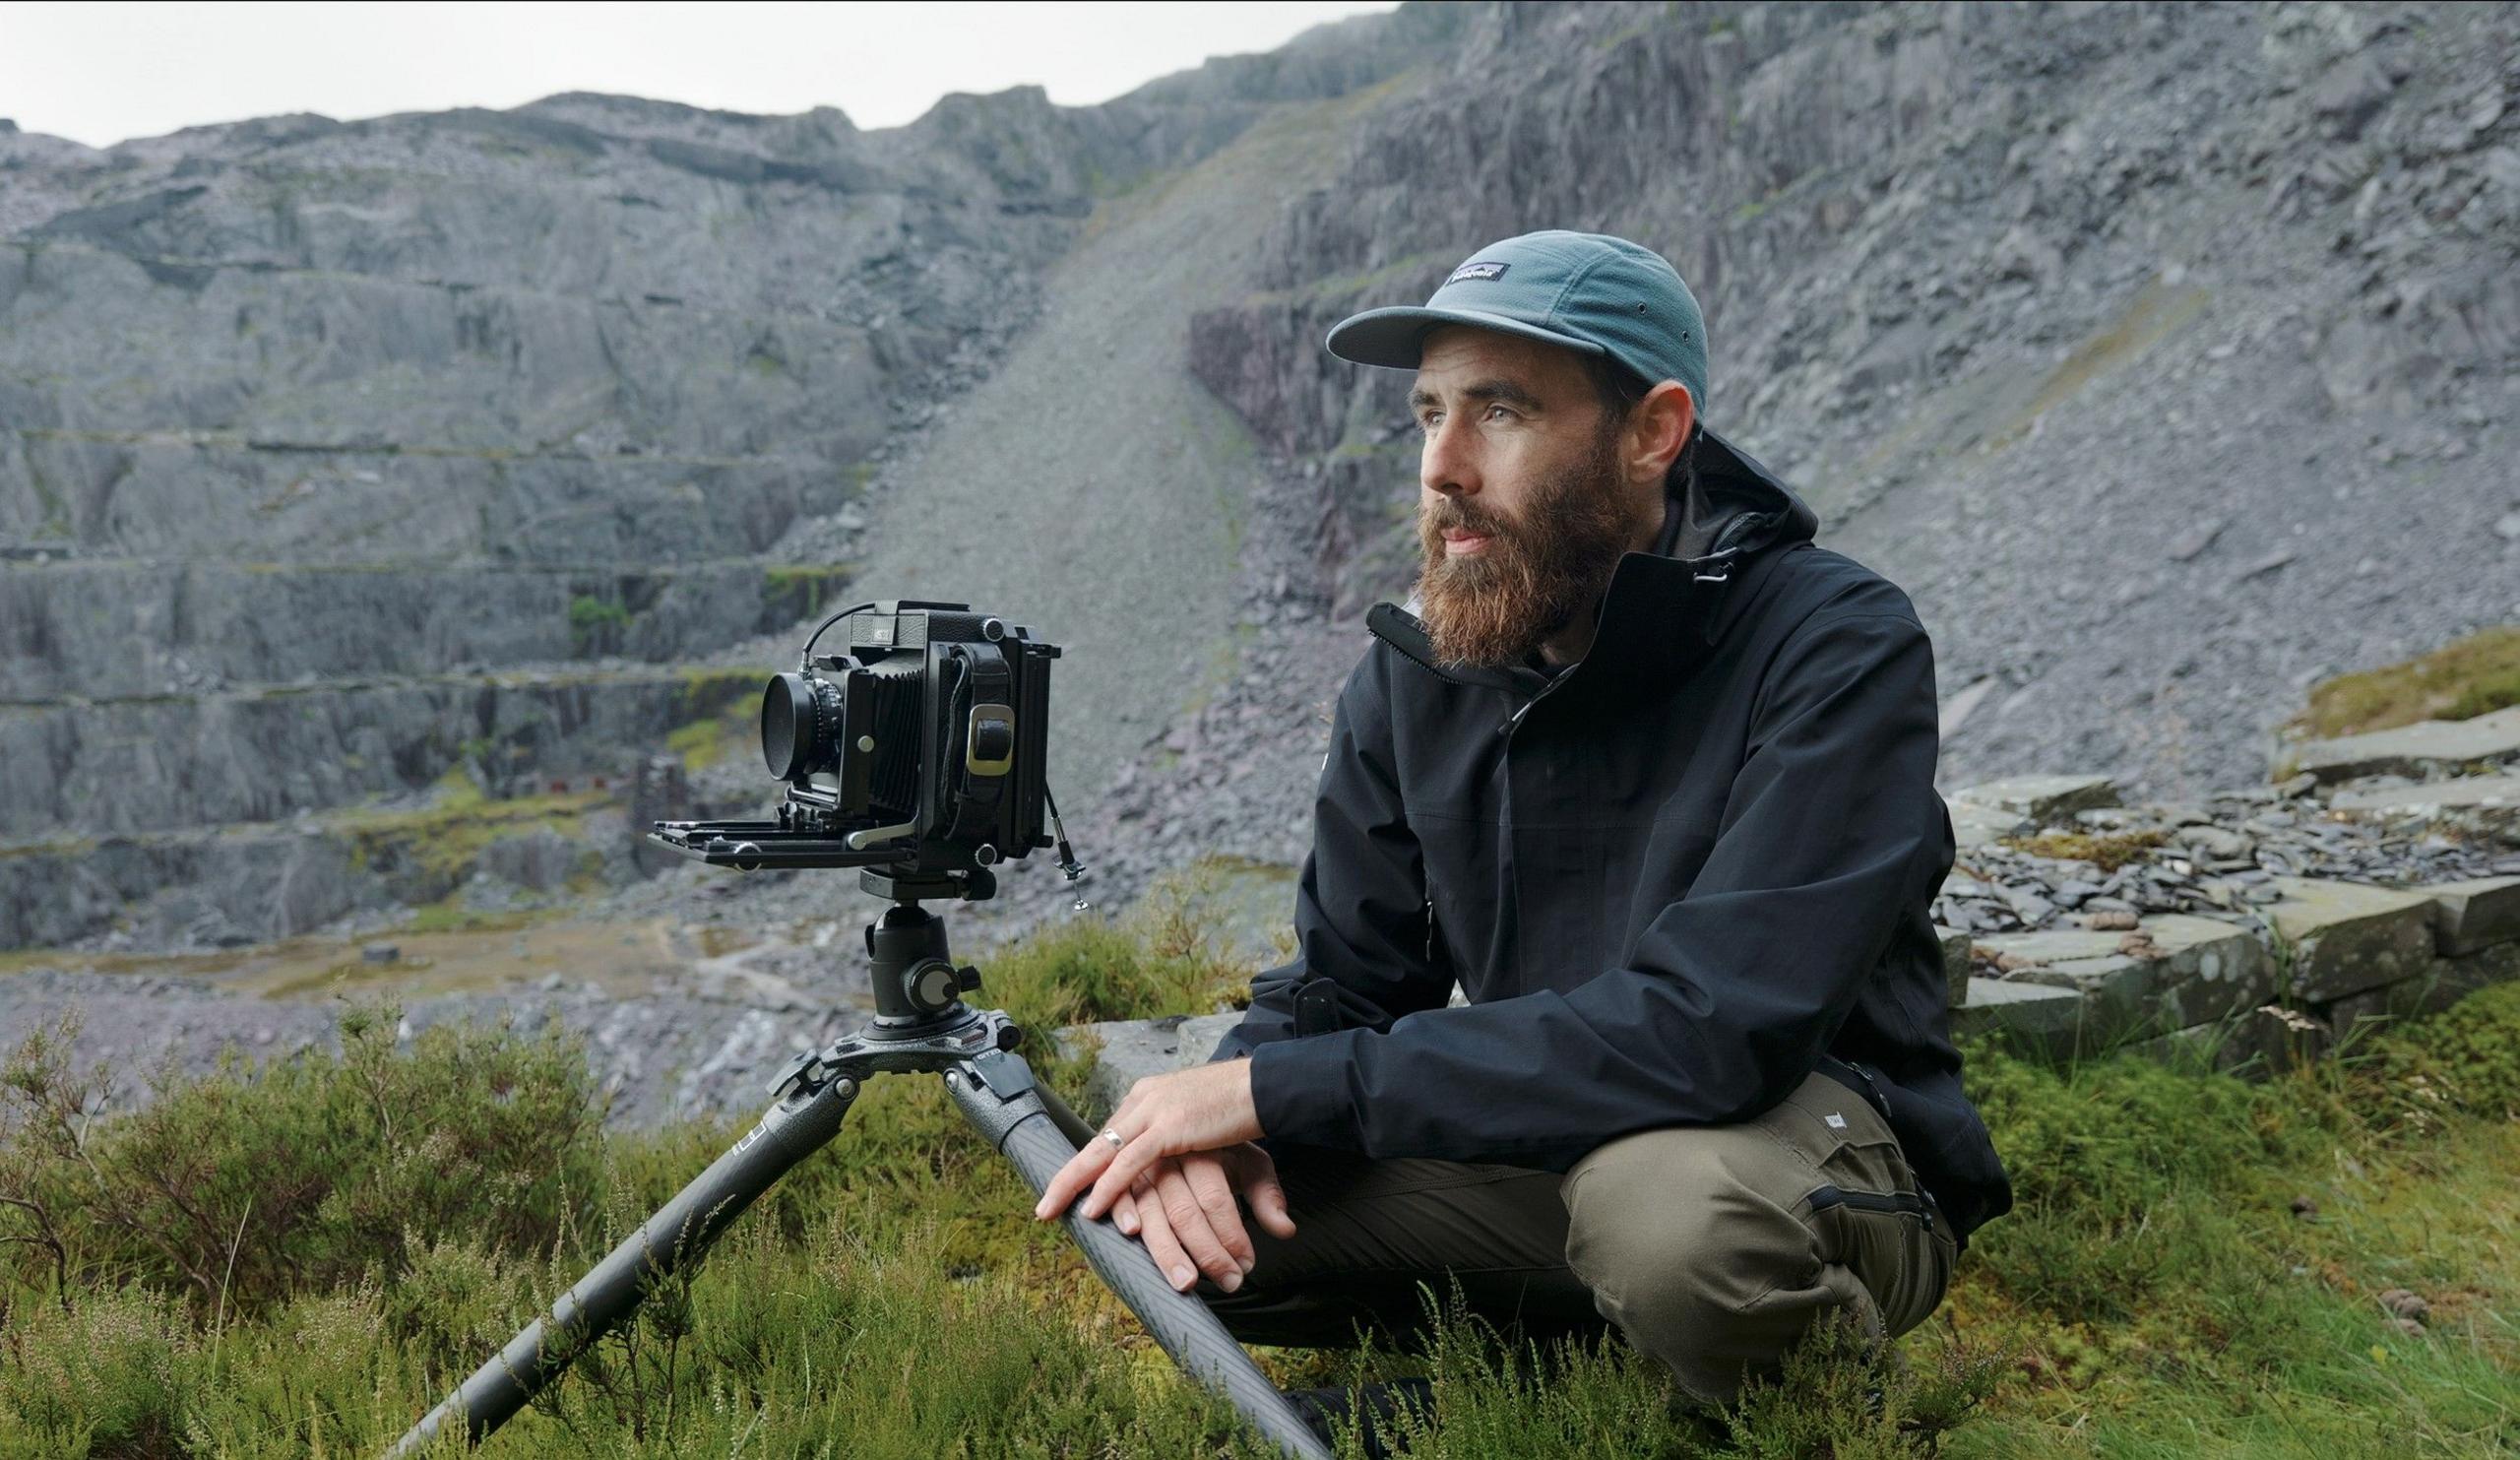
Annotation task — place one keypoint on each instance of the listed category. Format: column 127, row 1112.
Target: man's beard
column 1491, row 608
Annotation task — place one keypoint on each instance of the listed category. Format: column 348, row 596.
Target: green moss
column 2108, row 851
column 66, row 849
column 721, row 709
column 596, row 624
column 442, row 841
column 712, row 694
column 794, row 591
column 705, row 743
column 2461, row 679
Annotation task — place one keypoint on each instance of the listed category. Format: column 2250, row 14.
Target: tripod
column 920, row 1025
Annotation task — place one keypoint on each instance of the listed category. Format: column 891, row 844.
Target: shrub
column 244, row 1185
column 106, row 1376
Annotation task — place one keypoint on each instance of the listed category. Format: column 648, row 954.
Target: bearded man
column 1650, row 777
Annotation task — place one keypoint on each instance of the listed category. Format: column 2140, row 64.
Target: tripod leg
column 997, row 1095
column 674, row 1239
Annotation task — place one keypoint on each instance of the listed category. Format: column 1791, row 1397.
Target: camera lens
column 799, row 725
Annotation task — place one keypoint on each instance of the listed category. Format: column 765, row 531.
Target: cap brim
column 1393, row 338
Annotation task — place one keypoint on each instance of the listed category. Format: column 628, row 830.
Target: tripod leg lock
column 795, row 1073
column 1005, row 1075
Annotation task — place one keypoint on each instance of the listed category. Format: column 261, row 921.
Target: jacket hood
column 1733, row 507
column 1731, row 512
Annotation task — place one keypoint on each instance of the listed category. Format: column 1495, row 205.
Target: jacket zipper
column 1900, row 1202
column 1516, row 717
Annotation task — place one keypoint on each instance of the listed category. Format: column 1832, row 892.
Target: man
column 1651, row 776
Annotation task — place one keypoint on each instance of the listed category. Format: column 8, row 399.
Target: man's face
column 1523, row 510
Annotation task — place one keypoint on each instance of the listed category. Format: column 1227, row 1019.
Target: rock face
column 334, row 458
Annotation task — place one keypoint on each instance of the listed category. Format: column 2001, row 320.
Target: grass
column 2459, row 680
column 300, row 1259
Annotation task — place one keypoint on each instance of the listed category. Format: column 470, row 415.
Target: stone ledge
column 2413, row 749
column 2172, row 973
column 2029, row 1019
column 2469, row 917
column 2044, row 799
column 2446, row 981
column 2347, row 937
column 2486, row 800
column 1974, row 826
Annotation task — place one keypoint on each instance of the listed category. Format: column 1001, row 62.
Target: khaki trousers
column 1712, row 1249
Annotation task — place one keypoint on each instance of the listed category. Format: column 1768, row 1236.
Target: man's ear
column 1659, row 427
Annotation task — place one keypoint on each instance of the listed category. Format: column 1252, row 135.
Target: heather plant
column 305, row 1172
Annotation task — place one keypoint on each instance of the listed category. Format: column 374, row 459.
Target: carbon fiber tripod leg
column 674, row 1239
column 997, row 1095
column 995, row 1092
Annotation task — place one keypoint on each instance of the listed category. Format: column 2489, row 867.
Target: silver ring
column 1113, row 1137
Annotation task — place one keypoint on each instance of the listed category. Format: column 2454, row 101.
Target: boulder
column 2413, row 749
column 2347, row 937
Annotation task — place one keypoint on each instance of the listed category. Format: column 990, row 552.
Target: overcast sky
column 104, row 73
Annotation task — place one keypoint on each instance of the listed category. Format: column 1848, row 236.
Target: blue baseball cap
column 1588, row 291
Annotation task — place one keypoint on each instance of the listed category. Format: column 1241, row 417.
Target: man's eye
column 1430, row 421
column 1492, row 411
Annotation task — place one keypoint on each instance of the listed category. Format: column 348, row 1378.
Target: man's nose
column 1446, row 465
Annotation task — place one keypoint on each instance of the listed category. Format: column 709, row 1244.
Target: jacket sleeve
column 1361, row 903
column 1832, row 827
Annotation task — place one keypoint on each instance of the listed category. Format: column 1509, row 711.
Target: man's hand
column 1205, row 1109
column 1183, row 1210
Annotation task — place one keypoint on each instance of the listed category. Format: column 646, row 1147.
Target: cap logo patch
column 1490, row 270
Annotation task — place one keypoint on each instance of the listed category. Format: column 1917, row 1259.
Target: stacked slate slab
column 2261, row 965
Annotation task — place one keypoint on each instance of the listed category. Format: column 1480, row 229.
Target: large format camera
column 919, row 749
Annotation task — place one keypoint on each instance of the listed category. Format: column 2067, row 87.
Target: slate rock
column 2409, row 750
column 1134, row 1048
column 2044, row 799
column 2176, row 972
column 2347, row 937
column 2472, row 914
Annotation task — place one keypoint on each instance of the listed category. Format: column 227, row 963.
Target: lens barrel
column 800, row 726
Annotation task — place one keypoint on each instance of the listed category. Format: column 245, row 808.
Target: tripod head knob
column 933, row 986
